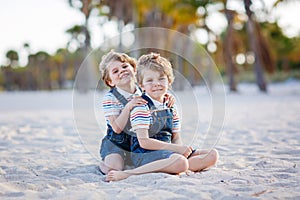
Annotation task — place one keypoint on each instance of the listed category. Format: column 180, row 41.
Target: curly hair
column 111, row 57
column 154, row 61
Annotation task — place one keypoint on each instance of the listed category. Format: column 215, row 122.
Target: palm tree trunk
column 228, row 51
column 253, row 41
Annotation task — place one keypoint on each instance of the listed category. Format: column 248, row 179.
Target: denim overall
column 160, row 129
column 122, row 139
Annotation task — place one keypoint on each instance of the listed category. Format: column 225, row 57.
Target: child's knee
column 114, row 162
column 116, row 166
column 181, row 163
column 214, row 155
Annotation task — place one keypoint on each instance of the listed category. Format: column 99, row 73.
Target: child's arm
column 153, row 144
column 176, row 136
column 118, row 122
column 177, row 139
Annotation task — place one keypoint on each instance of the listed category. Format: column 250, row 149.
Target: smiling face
column 112, row 64
column 121, row 74
column 155, row 84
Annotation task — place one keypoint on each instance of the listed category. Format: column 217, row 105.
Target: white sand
column 42, row 156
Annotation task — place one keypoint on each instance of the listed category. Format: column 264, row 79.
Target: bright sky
column 43, row 23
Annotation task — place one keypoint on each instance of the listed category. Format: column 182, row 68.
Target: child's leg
column 175, row 164
column 203, row 159
column 112, row 162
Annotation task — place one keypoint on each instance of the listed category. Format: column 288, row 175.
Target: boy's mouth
column 157, row 90
column 124, row 75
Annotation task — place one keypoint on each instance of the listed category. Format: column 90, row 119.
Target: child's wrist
column 128, row 107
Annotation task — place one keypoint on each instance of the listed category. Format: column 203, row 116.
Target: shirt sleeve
column 110, row 105
column 176, row 121
column 140, row 117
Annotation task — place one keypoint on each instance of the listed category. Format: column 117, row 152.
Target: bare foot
column 116, row 175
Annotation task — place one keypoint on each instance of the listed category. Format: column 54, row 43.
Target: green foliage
column 12, row 55
column 281, row 43
column 48, row 72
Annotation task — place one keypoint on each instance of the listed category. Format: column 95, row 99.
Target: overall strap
column 138, row 87
column 120, row 97
column 150, row 102
column 124, row 101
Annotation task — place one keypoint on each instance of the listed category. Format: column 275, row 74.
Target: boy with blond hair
column 156, row 144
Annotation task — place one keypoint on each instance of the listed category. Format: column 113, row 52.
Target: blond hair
column 111, row 57
column 155, row 62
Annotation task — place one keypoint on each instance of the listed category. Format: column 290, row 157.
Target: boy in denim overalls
column 118, row 71
column 156, row 145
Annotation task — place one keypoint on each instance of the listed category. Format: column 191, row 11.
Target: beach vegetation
column 249, row 47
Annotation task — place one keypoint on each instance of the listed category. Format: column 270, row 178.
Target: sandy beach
column 46, row 154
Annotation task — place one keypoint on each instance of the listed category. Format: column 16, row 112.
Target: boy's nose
column 156, row 83
column 122, row 71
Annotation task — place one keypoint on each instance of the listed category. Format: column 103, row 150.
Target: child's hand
column 170, row 99
column 136, row 101
column 185, row 150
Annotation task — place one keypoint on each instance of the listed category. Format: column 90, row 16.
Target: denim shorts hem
column 140, row 159
column 108, row 147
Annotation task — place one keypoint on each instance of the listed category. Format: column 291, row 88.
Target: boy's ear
column 109, row 82
column 141, row 86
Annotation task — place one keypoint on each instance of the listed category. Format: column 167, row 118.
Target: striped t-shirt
column 111, row 105
column 140, row 117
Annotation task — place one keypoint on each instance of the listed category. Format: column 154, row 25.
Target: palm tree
column 13, row 58
column 86, row 7
column 40, row 66
column 122, row 12
column 84, row 80
column 60, row 60
column 228, row 50
column 75, row 32
column 259, row 47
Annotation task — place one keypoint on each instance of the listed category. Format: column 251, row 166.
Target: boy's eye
column 115, row 71
column 125, row 66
